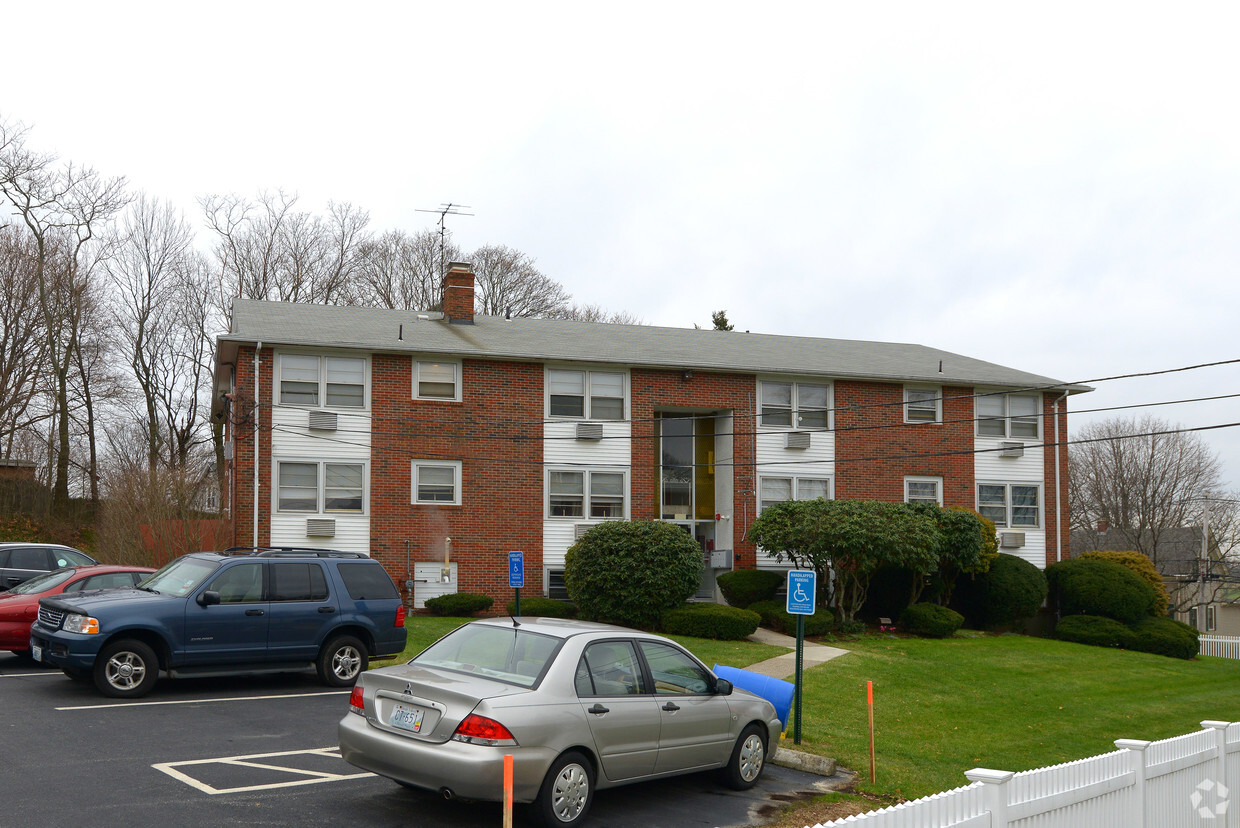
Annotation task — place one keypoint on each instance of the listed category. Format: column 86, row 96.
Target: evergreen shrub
column 459, row 603
column 1012, row 589
column 931, row 620
column 705, row 620
column 1089, row 586
column 742, row 587
column 1095, row 630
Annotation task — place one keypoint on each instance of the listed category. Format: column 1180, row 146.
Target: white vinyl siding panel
column 558, row 535
column 989, row 465
column 561, row 446
column 292, row 438
column 775, row 459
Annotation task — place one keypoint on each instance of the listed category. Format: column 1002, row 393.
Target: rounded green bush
column 537, row 605
column 703, row 620
column 931, row 620
column 1094, row 630
column 459, row 603
column 1165, row 636
column 630, row 572
column 1010, row 590
column 742, row 587
column 1143, row 567
column 775, row 616
column 1089, row 586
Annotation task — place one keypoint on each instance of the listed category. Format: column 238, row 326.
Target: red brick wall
column 242, row 427
column 1053, row 523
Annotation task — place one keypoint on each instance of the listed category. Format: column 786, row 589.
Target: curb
column 808, row 762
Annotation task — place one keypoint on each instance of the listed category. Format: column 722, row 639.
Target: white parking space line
column 304, row 777
column 204, row 701
column 33, row 675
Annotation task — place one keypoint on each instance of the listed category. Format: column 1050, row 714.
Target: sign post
column 516, row 575
column 802, row 585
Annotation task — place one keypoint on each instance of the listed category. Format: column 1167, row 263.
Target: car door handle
column 327, row 609
column 671, row 708
column 598, row 709
column 254, row 612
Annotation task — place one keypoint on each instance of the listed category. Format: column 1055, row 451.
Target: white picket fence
column 1220, row 646
column 1173, row 783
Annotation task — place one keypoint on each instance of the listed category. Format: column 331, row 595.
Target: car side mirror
column 208, row 598
column 723, row 687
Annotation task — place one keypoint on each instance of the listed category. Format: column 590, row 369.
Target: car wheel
column 126, row 670
column 342, row 660
column 747, row 760
column 566, row 793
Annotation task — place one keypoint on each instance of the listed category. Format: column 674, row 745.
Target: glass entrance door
column 687, row 483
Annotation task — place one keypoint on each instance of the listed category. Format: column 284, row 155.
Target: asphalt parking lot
column 262, row 751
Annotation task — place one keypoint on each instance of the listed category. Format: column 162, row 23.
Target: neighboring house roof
column 556, row 340
column 1179, row 550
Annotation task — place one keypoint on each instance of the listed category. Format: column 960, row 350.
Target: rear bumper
column 469, row 771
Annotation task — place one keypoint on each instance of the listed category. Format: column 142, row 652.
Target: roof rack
column 291, row 552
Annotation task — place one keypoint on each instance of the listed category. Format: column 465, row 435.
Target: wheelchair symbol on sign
column 799, row 595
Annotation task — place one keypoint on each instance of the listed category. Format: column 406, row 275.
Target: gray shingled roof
column 393, row 331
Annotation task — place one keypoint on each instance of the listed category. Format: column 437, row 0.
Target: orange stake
column 508, row 790
column 869, row 700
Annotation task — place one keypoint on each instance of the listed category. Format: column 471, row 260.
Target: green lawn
column 1005, row 702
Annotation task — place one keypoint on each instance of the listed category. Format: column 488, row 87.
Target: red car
column 20, row 605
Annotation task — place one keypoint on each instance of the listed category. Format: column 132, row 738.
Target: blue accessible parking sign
column 516, row 569
column 801, row 587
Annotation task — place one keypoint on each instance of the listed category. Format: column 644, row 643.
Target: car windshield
column 51, row 579
column 180, row 577
column 506, row 654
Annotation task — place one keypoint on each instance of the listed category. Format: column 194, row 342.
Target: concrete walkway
column 785, row 666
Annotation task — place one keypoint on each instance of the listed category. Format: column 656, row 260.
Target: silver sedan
column 579, row 707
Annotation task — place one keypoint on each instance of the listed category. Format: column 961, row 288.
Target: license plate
column 36, row 652
column 407, row 718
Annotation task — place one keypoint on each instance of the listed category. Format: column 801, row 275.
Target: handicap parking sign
column 801, row 588
column 516, row 569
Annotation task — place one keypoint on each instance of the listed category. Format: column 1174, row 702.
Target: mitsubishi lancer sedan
column 579, row 706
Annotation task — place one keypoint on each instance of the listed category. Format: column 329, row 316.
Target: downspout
column 1058, row 485
column 257, row 436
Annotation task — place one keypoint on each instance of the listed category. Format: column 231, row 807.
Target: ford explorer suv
column 209, row 614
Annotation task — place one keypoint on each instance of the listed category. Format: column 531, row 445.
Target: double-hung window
column 1014, row 505
column 334, row 382
column 587, row 493
column 923, row 490
column 1008, row 415
column 773, row 490
column 436, row 380
column 794, row 404
column 592, row 395
column 922, row 405
column 436, row 482
column 317, row 487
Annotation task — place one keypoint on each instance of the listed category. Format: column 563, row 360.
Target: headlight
column 81, row 624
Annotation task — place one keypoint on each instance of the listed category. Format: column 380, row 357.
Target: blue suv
column 209, row 614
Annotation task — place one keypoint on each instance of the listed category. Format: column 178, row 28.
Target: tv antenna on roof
column 445, row 209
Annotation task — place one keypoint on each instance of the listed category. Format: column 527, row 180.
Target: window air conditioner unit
column 323, row 420
column 580, row 529
column 1011, row 540
column 797, row 440
column 1012, row 450
column 320, row 527
column 228, row 450
column 589, row 431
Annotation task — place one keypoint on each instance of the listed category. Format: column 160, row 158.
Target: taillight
column 479, row 730
column 400, row 616
column 356, row 705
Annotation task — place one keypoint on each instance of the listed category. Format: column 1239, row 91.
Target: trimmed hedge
column 537, row 605
column 1010, row 590
column 1165, row 636
column 629, row 572
column 776, row 617
column 704, row 620
column 1089, row 586
column 742, row 587
column 1094, row 630
column 931, row 620
column 1144, row 568
column 459, row 603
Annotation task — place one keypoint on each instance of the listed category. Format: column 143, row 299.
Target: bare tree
column 63, row 206
column 23, row 346
column 507, row 283
column 594, row 313
column 401, row 272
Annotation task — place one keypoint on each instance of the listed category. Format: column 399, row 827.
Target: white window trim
column 321, row 483
column 457, row 368
column 455, row 465
column 938, row 404
column 322, row 403
column 1007, row 499
column 1007, row 415
column 586, row 402
column 586, row 472
column 796, row 485
column 914, row 478
column 796, row 426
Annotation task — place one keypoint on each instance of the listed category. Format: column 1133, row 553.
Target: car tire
column 566, row 793
column 126, row 669
column 747, row 761
column 342, row 660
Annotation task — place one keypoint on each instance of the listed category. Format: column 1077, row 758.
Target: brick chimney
column 458, row 293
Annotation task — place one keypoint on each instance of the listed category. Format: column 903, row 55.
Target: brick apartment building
column 388, row 432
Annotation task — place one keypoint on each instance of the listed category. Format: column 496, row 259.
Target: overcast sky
column 1053, row 187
